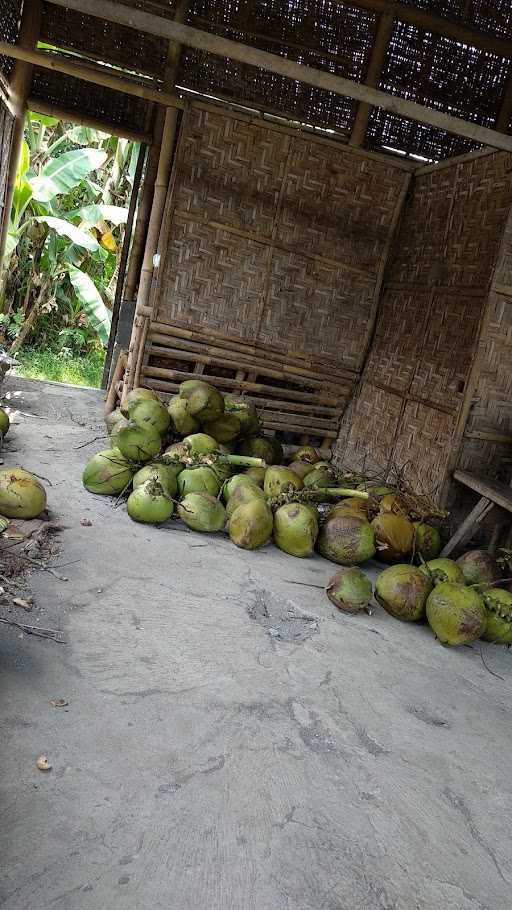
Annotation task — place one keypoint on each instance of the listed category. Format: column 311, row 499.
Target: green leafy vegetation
column 83, row 369
column 58, row 278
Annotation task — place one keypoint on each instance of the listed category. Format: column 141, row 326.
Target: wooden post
column 376, row 65
column 19, row 89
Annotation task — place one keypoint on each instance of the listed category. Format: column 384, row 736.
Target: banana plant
column 71, row 250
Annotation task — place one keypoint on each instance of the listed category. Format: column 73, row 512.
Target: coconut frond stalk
column 322, row 495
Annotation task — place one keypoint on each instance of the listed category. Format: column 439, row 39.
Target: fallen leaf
column 59, row 702
column 19, row 602
column 86, row 523
column 43, row 764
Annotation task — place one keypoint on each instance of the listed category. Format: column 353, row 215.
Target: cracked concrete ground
column 231, row 742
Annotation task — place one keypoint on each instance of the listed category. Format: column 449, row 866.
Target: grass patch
column 80, row 370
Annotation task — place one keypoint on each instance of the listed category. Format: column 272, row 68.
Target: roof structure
column 451, row 56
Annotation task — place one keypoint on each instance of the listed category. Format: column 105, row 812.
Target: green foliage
column 65, row 236
column 85, row 369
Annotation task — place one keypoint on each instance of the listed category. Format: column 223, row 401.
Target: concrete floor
column 231, row 741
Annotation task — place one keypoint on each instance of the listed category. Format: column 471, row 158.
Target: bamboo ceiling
column 450, row 55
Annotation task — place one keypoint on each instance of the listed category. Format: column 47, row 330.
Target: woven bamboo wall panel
column 448, row 349
column 213, row 278
column 424, row 443
column 375, row 420
column 317, row 308
column 266, row 236
column 452, row 229
column 399, row 337
column 231, row 171
column 338, row 205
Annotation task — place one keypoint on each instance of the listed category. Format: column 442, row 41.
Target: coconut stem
column 323, row 495
column 244, row 461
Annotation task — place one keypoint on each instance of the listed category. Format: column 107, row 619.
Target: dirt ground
column 230, row 741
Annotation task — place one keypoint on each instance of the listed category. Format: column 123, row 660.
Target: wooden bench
column 492, row 493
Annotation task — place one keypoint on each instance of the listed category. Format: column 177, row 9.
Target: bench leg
column 465, row 530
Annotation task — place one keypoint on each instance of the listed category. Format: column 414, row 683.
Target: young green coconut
column 138, row 444
column 278, row 479
column 165, row 474
column 204, row 402
column 201, row 444
column 224, row 429
column 350, row 590
column 241, row 495
column 346, row 539
column 198, row 480
column 257, row 474
column 4, row 423
column 403, row 590
column 427, row 541
column 320, row 479
column 295, row 529
column 147, row 413
column 137, row 394
column 394, row 535
column 479, row 568
column 456, row 614
column 301, row 468
column 107, row 473
column 202, row 512
column 182, row 421
column 245, row 412
column 266, row 447
column 150, row 503
column 21, row 494
column 441, row 570
column 306, row 454
column 250, row 526
column 239, row 480
column 498, row 604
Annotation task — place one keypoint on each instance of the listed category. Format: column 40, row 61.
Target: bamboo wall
column 6, row 124
column 417, row 388
column 278, row 240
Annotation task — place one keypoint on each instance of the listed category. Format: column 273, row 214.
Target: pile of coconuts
column 462, row 601
column 203, row 458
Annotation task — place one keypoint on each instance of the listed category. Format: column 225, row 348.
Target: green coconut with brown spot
column 346, row 539
column 403, row 590
column 456, row 614
column 479, row 568
column 441, row 570
column 295, row 529
column 350, row 590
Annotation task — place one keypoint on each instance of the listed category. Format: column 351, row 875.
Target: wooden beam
column 113, row 129
column 224, row 47
column 60, row 64
column 375, row 67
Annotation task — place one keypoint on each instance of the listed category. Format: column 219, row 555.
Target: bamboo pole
column 144, row 208
column 224, row 47
column 377, row 60
column 155, row 220
column 60, row 64
column 113, row 129
column 19, row 89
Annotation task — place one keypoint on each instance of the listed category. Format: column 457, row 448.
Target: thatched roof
column 450, row 55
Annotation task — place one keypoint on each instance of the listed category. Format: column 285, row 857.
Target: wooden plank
column 224, row 47
column 255, row 387
column 60, row 64
column 500, row 493
column 466, row 529
column 375, row 67
column 294, row 428
column 489, row 436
